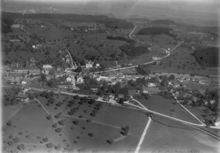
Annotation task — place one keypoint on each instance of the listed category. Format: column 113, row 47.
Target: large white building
column 73, row 81
column 103, row 78
column 47, row 66
column 89, row 65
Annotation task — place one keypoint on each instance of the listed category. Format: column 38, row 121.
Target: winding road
column 129, row 67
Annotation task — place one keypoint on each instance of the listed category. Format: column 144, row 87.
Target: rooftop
column 151, row 89
column 22, row 95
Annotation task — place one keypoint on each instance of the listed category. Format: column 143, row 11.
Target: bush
column 20, row 147
column 76, row 122
column 109, row 141
column 45, row 139
column 62, row 122
column 49, row 117
column 9, row 123
column 58, row 130
column 49, row 145
column 91, row 134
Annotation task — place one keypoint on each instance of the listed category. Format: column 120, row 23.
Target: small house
column 151, row 84
column 80, row 80
column 216, row 121
column 22, row 96
column 151, row 90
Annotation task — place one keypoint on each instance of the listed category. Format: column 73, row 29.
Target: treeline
column 132, row 51
column 207, row 56
column 108, row 22
column 140, row 19
column 7, row 22
column 156, row 31
column 130, row 41
column 142, row 70
column 167, row 22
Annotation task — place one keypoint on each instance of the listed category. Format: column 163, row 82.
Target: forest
column 207, row 56
column 7, row 21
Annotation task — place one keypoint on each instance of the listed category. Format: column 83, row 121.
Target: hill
column 108, row 22
column 168, row 22
column 139, row 19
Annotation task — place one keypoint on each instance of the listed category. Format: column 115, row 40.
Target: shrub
column 20, row 147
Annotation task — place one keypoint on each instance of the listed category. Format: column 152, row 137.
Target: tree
column 52, row 82
column 31, row 96
column 102, row 67
column 142, row 70
column 43, row 77
column 58, row 130
column 91, row 134
column 121, row 101
column 52, row 72
column 171, row 77
column 49, row 145
column 78, row 69
column 20, row 147
column 49, row 117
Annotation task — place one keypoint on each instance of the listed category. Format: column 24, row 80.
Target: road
column 178, row 120
column 143, row 135
column 147, row 63
column 130, row 35
column 70, row 57
column 129, row 67
column 186, row 109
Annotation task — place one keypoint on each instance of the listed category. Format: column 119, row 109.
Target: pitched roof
column 22, row 95
column 151, row 89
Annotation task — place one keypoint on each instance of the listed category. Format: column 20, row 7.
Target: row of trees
column 130, row 41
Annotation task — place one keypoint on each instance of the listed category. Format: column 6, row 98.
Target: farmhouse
column 27, row 70
column 47, row 68
column 151, row 90
column 6, row 68
column 103, row 78
column 216, row 121
column 37, row 46
column 22, row 96
column 151, row 84
column 89, row 64
column 16, row 26
column 80, row 80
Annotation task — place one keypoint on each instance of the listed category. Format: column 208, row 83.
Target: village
column 98, row 85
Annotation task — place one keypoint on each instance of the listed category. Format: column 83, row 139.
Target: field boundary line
column 187, row 109
column 43, row 106
column 143, row 136
column 176, row 119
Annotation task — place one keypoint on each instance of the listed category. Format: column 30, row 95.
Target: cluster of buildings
column 86, row 29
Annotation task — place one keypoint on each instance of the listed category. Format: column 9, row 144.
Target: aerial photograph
column 110, row 76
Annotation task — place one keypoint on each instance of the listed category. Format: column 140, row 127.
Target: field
column 165, row 106
column 169, row 136
column 79, row 131
column 162, row 40
column 181, row 61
